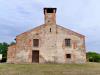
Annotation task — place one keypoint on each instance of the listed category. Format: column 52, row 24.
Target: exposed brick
column 51, row 44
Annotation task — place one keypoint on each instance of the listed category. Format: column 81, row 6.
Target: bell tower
column 50, row 16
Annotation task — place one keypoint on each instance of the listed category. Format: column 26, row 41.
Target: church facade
column 48, row 43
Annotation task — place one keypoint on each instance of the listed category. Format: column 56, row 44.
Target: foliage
column 3, row 50
column 93, row 57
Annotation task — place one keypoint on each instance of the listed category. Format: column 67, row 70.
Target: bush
column 93, row 57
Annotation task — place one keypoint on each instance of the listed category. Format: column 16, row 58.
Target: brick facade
column 51, row 47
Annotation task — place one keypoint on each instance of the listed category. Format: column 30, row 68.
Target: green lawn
column 50, row 69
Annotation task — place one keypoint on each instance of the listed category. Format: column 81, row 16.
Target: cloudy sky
column 83, row 16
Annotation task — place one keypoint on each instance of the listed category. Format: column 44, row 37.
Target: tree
column 3, row 50
column 93, row 57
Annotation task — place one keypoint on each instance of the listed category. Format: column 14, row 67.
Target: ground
column 50, row 69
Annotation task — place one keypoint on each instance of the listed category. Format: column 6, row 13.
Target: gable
column 38, row 28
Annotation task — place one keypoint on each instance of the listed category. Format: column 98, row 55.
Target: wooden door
column 35, row 56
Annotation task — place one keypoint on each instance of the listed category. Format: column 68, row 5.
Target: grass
column 50, row 69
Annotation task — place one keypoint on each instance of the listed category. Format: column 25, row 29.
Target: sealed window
column 35, row 42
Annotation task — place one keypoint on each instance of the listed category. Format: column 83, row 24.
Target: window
column 50, row 29
column 35, row 42
column 68, row 55
column 68, row 42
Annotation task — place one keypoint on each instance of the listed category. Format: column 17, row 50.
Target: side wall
column 77, row 49
column 11, row 54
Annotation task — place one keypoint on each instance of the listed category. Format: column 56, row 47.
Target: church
column 48, row 43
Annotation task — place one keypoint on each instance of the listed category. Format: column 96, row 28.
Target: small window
column 35, row 42
column 68, row 55
column 68, row 42
column 50, row 29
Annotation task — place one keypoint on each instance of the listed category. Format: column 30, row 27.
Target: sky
column 82, row 16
